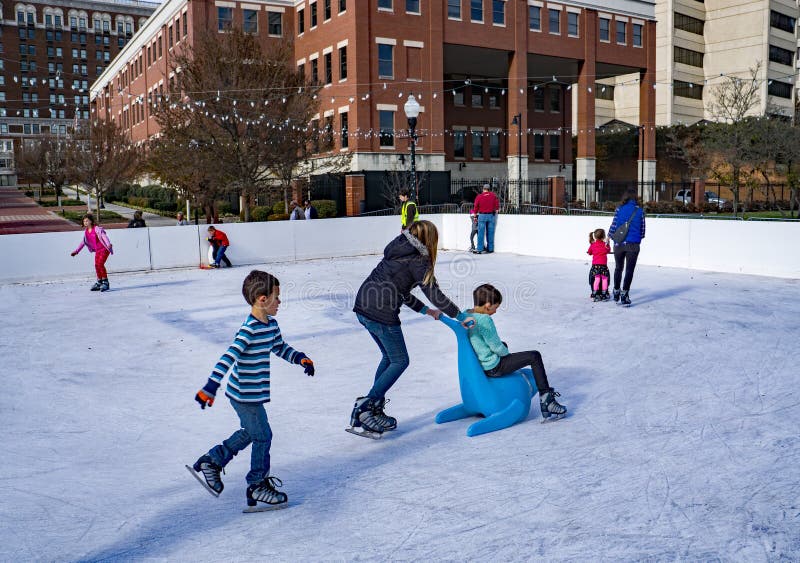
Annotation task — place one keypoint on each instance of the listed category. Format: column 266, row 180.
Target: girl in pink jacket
column 96, row 240
column 599, row 274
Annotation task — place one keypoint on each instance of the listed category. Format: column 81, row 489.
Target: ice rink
column 682, row 440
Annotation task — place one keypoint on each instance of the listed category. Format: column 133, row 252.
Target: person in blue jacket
column 627, row 252
column 408, row 262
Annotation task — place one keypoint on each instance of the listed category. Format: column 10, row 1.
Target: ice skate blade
column 364, row 433
column 553, row 418
column 200, row 480
column 264, row 507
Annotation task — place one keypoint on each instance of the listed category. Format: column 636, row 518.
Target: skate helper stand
column 503, row 401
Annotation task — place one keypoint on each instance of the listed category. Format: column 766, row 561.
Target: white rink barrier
column 741, row 247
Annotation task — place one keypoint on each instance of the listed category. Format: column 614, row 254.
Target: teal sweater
column 485, row 341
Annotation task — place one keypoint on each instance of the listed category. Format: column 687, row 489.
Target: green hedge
column 279, row 208
column 325, row 207
column 278, row 217
column 260, row 213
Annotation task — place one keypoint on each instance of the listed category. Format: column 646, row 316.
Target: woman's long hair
column 426, row 233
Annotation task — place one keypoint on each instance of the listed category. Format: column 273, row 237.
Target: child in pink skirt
column 599, row 274
column 96, row 240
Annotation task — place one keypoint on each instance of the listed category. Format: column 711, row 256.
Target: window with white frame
column 385, row 60
column 554, row 21
column 386, row 123
column 454, row 9
column 499, row 12
column 476, row 10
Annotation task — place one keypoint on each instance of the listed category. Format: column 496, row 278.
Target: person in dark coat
column 310, row 211
column 408, row 262
column 626, row 252
column 137, row 222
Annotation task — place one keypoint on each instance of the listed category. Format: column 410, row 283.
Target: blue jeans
column 394, row 362
column 255, row 430
column 219, row 256
column 486, row 223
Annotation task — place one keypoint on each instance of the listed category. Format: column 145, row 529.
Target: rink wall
column 741, row 247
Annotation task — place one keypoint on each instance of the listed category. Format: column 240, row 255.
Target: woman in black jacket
column 408, row 262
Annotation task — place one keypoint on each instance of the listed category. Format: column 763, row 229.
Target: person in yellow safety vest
column 408, row 212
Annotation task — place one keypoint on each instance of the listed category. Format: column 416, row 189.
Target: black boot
column 363, row 416
column 625, row 299
column 616, row 295
column 388, row 422
column 549, row 405
column 104, row 285
column 97, row 285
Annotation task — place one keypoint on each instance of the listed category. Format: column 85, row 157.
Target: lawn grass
column 76, row 216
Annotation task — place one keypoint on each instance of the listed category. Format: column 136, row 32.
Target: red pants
column 100, row 258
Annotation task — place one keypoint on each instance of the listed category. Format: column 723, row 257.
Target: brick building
column 473, row 65
column 51, row 53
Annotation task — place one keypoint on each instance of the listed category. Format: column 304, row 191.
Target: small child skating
column 493, row 353
column 220, row 243
column 96, row 240
column 599, row 274
column 248, row 360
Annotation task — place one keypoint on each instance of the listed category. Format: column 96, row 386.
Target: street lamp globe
column 411, row 107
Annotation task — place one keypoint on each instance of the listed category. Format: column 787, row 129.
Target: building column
column 354, row 194
column 585, row 162
column 432, row 118
column 647, row 117
column 517, row 152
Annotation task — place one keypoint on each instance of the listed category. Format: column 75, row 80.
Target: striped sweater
column 248, row 360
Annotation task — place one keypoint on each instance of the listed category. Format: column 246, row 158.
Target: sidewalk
column 151, row 219
column 21, row 214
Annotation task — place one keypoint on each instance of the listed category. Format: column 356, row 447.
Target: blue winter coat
column 636, row 228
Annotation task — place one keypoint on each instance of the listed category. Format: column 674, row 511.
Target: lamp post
column 411, row 108
column 518, row 122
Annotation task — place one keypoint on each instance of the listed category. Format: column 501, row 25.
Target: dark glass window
column 688, row 23
column 782, row 21
column 249, row 22
column 344, row 131
column 224, row 18
column 386, row 121
column 454, row 9
column 779, row 89
column 605, row 29
column 554, row 21
column 782, row 56
column 385, row 61
column 534, row 18
column 275, row 23
column 637, row 35
column 572, row 24
column 458, row 144
column 688, row 57
column 622, row 32
column 687, row 89
column 342, row 63
column 328, row 68
column 499, row 12
column 476, row 10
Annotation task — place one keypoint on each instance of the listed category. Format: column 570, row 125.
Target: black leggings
column 625, row 255
column 513, row 362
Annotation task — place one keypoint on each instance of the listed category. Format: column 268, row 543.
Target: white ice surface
column 682, row 441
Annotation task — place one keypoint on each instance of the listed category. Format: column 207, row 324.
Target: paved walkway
column 21, row 214
column 151, row 219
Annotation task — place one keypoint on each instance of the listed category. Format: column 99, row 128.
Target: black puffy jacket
column 404, row 265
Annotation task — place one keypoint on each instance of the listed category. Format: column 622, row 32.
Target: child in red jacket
column 219, row 241
column 599, row 274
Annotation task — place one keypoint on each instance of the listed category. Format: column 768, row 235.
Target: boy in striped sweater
column 248, row 360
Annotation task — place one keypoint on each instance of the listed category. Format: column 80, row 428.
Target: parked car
column 466, row 194
column 685, row 196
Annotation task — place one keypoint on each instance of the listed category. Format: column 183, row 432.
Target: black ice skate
column 104, row 285
column 97, row 286
column 208, row 474
column 266, row 493
column 388, row 422
column 625, row 299
column 606, row 296
column 551, row 407
column 616, row 295
column 363, row 421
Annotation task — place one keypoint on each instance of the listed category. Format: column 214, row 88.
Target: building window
column 224, row 18
column 605, row 27
column 688, row 57
column 454, row 9
column 412, row 6
column 385, row 61
column 275, row 20
column 342, row 63
column 314, row 70
column 637, row 35
column 384, row 4
column 328, row 68
column 534, row 18
column 301, row 22
column 169, row 37
column 781, row 56
column 688, row 23
column 476, row 138
column 781, row 21
column 48, row 20
column 57, row 20
column 538, row 99
column 344, row 129
column 477, row 100
column 458, row 144
column 779, row 89
column 499, row 12
column 386, row 121
column 555, row 98
column 458, row 97
column 687, row 90
column 604, row 92
column 185, row 24
column 250, row 21
column 476, row 11
column 572, row 24
column 538, row 146
column 313, row 15
column 301, row 70
column 555, row 153
column 327, row 10
column 555, row 21
column 342, row 6
column 494, row 144
column 494, row 101
column 621, row 32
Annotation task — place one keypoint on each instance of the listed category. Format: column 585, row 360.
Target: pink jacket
column 101, row 235
column 599, row 251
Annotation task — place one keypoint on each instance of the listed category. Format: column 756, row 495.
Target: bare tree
column 248, row 105
column 735, row 98
column 100, row 157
